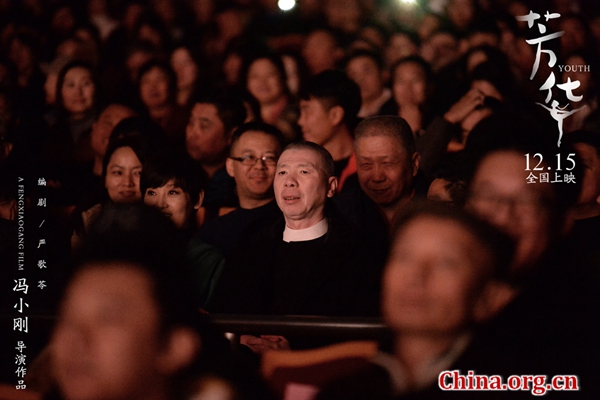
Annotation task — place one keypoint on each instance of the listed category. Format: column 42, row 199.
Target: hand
column 463, row 107
column 265, row 342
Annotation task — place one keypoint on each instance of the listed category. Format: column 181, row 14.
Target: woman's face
column 410, row 83
column 185, row 68
column 78, row 90
column 264, row 81
column 122, row 179
column 154, row 88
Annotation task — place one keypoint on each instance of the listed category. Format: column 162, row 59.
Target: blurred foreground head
column 444, row 273
column 523, row 183
column 126, row 324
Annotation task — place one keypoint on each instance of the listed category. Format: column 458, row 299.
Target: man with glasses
column 253, row 155
column 551, row 324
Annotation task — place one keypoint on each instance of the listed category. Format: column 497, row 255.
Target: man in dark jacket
column 311, row 261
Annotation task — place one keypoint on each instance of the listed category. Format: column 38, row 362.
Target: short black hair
column 230, row 108
column 414, row 59
column 333, row 88
column 373, row 55
column 141, row 237
column 263, row 127
column 387, row 125
column 497, row 244
column 178, row 166
column 140, row 127
column 324, row 155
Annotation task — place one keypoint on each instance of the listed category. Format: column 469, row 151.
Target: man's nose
column 260, row 164
column 301, row 119
column 378, row 174
column 290, row 181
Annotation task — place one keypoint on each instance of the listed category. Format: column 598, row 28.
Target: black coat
column 330, row 276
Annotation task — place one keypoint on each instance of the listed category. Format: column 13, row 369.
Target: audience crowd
column 431, row 163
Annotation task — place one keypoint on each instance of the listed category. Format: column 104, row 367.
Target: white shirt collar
column 303, row 235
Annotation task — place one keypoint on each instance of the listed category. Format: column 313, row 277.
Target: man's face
column 319, row 52
column 590, row 188
column 205, row 137
column 173, row 202
column 154, row 88
column 500, row 194
column 410, row 84
column 102, row 128
column 385, row 170
column 301, row 187
column 316, row 121
column 254, row 182
column 107, row 342
column 433, row 277
column 365, row 72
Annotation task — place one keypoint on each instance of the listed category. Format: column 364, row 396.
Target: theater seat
column 299, row 374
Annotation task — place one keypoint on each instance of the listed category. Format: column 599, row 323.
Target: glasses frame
column 246, row 160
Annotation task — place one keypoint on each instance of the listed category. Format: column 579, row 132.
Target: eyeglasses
column 251, row 160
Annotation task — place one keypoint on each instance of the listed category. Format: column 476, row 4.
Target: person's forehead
column 321, row 36
column 262, row 64
column 206, row 110
column 409, row 67
column 116, row 281
column 380, row 143
column 300, row 157
column 433, row 230
column 504, row 171
column 116, row 110
column 314, row 104
column 362, row 60
column 250, row 139
column 77, row 73
column 513, row 168
column 124, row 155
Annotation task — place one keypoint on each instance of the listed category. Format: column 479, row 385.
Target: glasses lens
column 269, row 160
column 248, row 160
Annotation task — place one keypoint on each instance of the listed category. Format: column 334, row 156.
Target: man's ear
column 230, row 136
column 332, row 184
column 492, row 299
column 416, row 161
column 336, row 115
column 200, row 200
column 229, row 166
column 181, row 348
